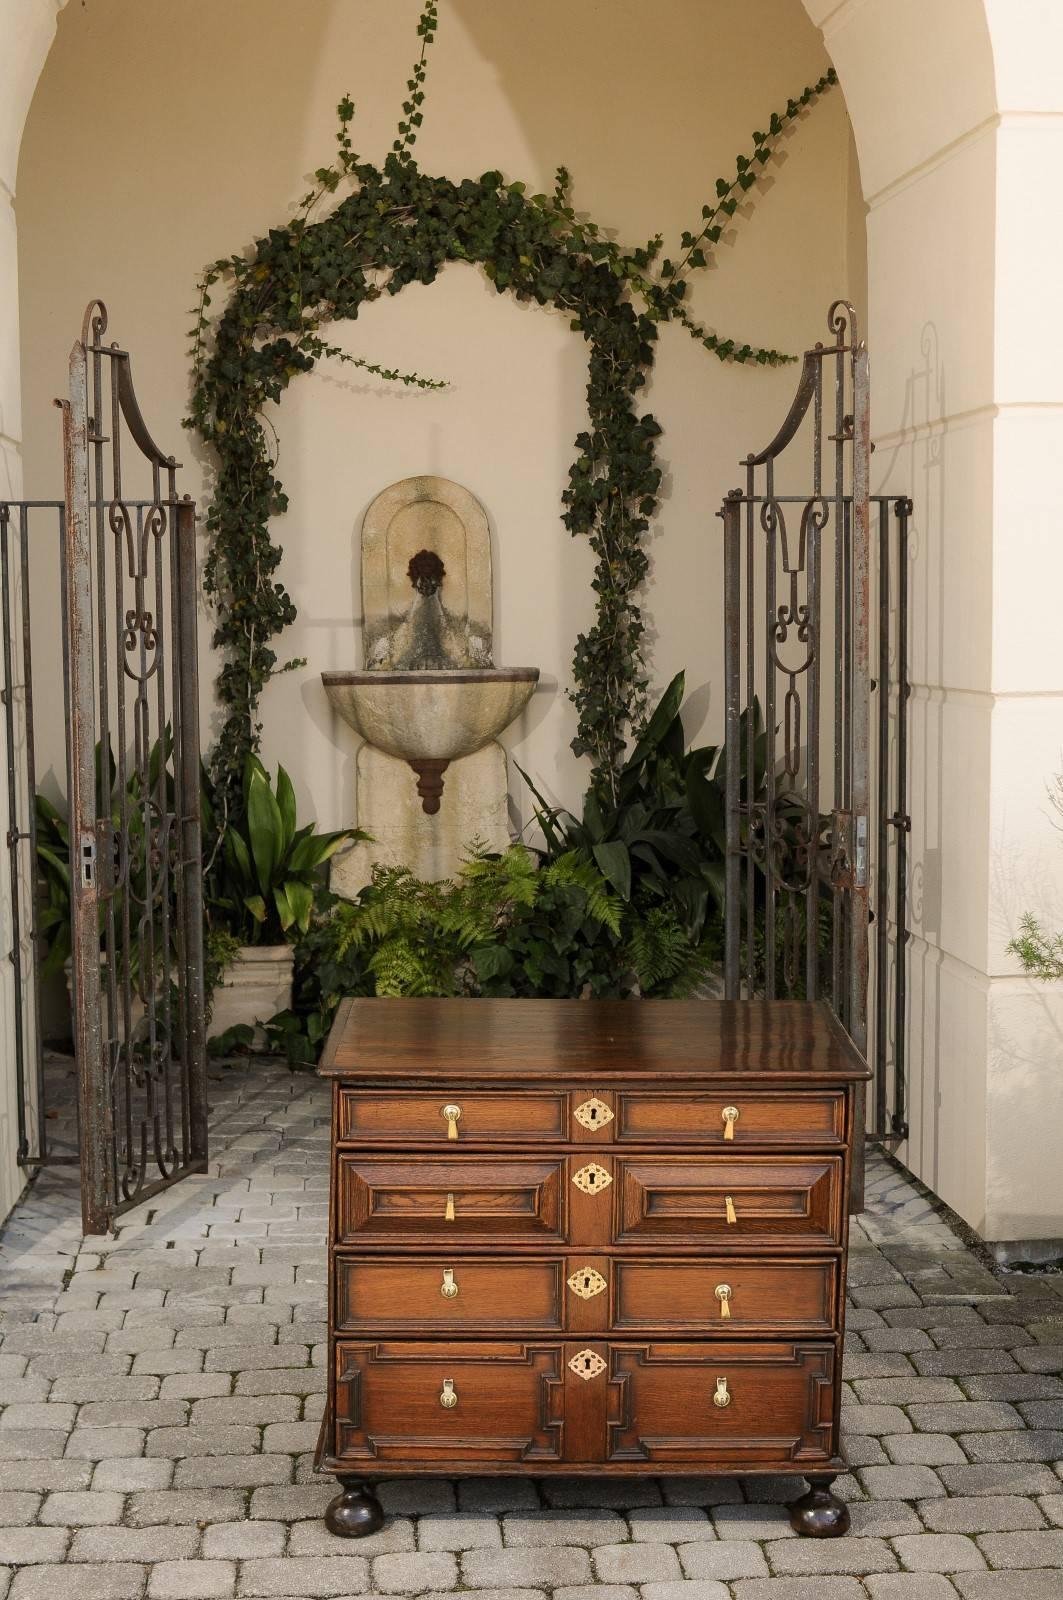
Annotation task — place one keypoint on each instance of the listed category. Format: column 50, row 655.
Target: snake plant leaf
column 614, row 863
column 300, row 897
column 660, row 724
column 264, row 827
column 238, row 855
column 284, row 907
column 311, row 851
column 56, row 862
column 257, row 907
column 286, row 806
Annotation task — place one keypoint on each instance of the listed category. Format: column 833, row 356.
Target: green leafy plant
column 262, row 879
column 399, row 226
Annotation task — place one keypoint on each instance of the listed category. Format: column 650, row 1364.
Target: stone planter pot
column 254, row 986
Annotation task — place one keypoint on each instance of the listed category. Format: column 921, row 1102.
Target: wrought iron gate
column 816, row 587
column 125, row 564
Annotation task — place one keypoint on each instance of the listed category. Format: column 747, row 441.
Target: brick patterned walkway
column 160, row 1396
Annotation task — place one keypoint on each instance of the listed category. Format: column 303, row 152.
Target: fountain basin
column 431, row 718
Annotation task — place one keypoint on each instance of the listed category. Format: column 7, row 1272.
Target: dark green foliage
column 399, row 226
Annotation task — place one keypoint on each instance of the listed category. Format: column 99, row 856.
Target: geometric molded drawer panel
column 442, row 1202
column 759, row 1403
column 443, row 1403
column 742, row 1201
column 449, row 1292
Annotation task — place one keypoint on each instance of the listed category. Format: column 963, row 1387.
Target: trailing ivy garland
column 400, row 226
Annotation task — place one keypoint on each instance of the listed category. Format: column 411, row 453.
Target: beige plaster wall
column 236, row 107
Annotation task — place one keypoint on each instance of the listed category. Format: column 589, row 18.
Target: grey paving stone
column 638, row 1563
column 1046, row 1585
column 757, row 1520
column 1029, row 1445
column 1005, row 1513
column 1029, row 1549
column 597, row 1591
column 911, row 1392
column 18, row 1507
column 670, row 1524
column 883, row 1519
column 44, row 1475
column 530, row 1529
column 875, row 1364
column 233, row 1472
column 133, row 1544
column 1052, row 1506
column 865, row 1451
column 313, row 1576
column 413, row 1572
column 818, row 1588
column 910, row 1586
column 468, row 1532
column 900, row 1482
column 183, row 1506
column 104, row 1444
column 904, row 1340
column 133, row 1414
column 254, row 1409
column 1013, row 1386
column 1048, row 1358
column 939, row 1552
column 504, row 1569
column 82, row 1508
column 282, row 1380
column 240, row 1541
column 495, row 1594
column 113, row 1581
column 823, row 1556
column 726, row 1559
column 692, row 1589
column 19, row 1444
column 978, row 1335
column 968, row 1416
column 923, row 1449
column 20, row 1546
column 192, row 1580
column 177, row 1442
column 993, row 1478
column 130, row 1473
column 868, row 1419
column 95, row 1388
column 290, row 1502
column 962, row 1364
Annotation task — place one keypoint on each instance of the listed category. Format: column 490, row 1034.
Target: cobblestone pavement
column 161, row 1391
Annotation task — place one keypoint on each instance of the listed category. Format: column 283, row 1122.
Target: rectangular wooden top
column 534, row 1039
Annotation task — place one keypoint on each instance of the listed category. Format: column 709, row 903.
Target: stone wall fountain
column 430, row 704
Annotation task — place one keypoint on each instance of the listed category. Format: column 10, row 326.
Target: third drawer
column 580, row 1293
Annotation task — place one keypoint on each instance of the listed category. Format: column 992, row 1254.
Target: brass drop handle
column 452, row 1116
column 449, row 1397
column 448, row 1215
column 729, row 1207
column 722, row 1397
column 448, row 1288
column 729, row 1116
column 723, row 1295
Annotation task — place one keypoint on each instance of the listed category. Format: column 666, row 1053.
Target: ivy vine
column 396, row 226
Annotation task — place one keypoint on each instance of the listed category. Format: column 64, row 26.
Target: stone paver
column 160, row 1393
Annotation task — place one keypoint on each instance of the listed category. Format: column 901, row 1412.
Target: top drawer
column 731, row 1117
column 452, row 1117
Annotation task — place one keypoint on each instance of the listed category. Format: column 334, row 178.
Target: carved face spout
column 426, row 572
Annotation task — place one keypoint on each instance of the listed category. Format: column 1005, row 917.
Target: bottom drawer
column 725, row 1403
column 720, row 1405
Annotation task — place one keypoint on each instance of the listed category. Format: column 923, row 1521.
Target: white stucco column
column 955, row 106
column 27, row 28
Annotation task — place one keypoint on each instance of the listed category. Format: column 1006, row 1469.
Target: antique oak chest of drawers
column 586, row 1237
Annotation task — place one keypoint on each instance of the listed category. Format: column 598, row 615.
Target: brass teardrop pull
column 722, row 1397
column 452, row 1115
column 448, row 1215
column 448, row 1289
column 723, row 1295
column 730, row 1115
column 449, row 1397
column 729, row 1207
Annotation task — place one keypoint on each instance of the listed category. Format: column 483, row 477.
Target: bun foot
column 355, row 1512
column 819, row 1514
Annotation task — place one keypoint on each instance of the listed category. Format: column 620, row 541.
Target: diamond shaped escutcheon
column 592, row 1178
column 587, row 1282
column 587, row 1364
column 593, row 1113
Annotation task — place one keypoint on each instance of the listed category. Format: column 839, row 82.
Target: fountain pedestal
column 474, row 804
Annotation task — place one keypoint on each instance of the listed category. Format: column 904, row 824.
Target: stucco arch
column 957, row 112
